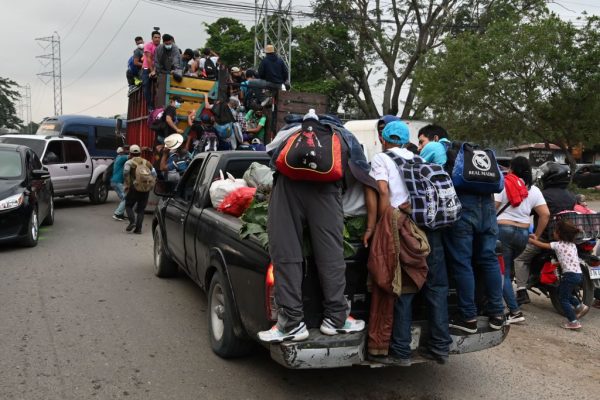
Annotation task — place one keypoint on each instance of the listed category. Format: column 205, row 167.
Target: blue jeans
column 471, row 243
column 119, row 188
column 514, row 241
column 435, row 291
column 568, row 282
column 147, row 87
column 401, row 336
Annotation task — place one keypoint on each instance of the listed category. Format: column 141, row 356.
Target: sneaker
column 351, row 325
column 465, row 326
column 497, row 322
column 130, row 227
column 581, row 310
column 429, row 355
column 523, row 297
column 513, row 318
column 393, row 359
column 572, row 325
column 118, row 217
column 274, row 335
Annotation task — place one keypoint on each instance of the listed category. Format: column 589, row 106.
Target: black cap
column 177, row 98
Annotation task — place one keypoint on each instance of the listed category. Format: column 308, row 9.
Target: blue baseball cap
column 396, row 132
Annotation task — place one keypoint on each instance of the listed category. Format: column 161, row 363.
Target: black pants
column 139, row 200
column 318, row 206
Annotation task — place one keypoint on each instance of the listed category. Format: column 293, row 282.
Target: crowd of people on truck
column 417, row 241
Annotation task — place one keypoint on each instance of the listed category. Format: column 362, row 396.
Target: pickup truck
column 238, row 276
column 73, row 171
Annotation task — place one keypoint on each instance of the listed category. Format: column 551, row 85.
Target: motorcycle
column 546, row 272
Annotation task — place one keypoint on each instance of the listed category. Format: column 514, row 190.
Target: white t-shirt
column 203, row 60
column 567, row 256
column 383, row 168
column 521, row 213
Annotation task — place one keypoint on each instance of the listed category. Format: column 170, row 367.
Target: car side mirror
column 40, row 174
column 164, row 188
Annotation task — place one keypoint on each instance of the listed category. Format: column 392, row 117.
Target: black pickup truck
column 238, row 277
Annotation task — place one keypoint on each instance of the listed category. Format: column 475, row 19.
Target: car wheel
column 223, row 340
column 99, row 192
column 49, row 220
column 31, row 240
column 164, row 266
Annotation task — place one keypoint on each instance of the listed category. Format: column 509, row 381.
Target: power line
column 90, row 33
column 103, row 100
column 87, row 3
column 99, row 56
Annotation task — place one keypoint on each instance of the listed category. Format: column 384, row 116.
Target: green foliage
column 8, row 96
column 232, row 41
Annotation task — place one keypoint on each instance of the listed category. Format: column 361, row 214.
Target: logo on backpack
column 312, row 154
column 433, row 200
column 476, row 170
column 481, row 161
column 144, row 180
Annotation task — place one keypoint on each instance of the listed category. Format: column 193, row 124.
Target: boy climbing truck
column 237, row 275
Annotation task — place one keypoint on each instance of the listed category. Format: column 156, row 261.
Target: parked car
column 238, row 276
column 72, row 170
column 25, row 195
column 587, row 175
column 101, row 136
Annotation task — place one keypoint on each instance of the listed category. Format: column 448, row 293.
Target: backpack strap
column 504, row 207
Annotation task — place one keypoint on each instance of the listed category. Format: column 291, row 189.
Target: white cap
column 119, row 150
column 135, row 149
column 311, row 115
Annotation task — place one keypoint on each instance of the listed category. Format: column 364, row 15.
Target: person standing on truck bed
column 167, row 57
column 299, row 201
column 148, row 69
column 139, row 176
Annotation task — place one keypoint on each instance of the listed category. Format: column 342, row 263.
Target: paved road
column 82, row 317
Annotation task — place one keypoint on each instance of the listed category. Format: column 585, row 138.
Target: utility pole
column 273, row 25
column 52, row 43
column 25, row 106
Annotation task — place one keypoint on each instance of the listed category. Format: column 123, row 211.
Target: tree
column 536, row 79
column 31, row 127
column 232, row 41
column 8, row 96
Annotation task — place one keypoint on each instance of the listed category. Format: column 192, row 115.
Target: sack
column 433, row 200
column 155, row 119
column 237, row 202
column 548, row 274
column 224, row 131
column 312, row 154
column 258, row 175
column 477, row 171
column 144, row 180
column 210, row 69
column 219, row 189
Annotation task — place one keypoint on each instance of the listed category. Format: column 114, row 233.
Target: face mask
column 177, row 104
column 141, row 46
column 168, row 46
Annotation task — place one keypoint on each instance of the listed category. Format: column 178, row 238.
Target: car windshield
column 49, row 128
column 10, row 164
column 36, row 145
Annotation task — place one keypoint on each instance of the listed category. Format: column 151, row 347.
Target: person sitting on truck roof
column 207, row 65
column 167, row 56
column 135, row 63
column 256, row 122
column 272, row 68
column 148, row 68
column 188, row 64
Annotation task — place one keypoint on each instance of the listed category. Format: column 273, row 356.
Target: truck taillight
column 271, row 309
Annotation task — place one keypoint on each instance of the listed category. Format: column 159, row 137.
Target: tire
column 585, row 293
column 49, row 220
column 164, row 266
column 99, row 192
column 31, row 240
column 223, row 340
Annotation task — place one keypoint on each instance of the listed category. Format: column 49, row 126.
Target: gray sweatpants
column 522, row 265
column 318, row 206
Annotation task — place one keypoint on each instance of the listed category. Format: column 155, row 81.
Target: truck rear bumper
column 321, row 351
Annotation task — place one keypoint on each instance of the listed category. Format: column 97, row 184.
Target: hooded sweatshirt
column 273, row 69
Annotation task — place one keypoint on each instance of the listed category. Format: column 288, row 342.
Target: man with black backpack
column 140, row 177
column 208, row 64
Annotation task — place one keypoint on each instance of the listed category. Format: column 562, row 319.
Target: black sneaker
column 130, row 227
column 438, row 358
column 513, row 318
column 497, row 322
column 522, row 297
column 394, row 359
column 465, row 326
column 139, row 232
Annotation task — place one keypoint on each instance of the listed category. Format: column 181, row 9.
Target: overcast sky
column 25, row 20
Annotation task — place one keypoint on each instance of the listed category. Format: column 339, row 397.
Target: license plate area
column 594, row 272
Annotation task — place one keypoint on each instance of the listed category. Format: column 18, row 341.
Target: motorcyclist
column 554, row 179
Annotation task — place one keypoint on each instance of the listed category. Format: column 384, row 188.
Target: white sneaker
column 274, row 335
column 351, row 325
column 514, row 318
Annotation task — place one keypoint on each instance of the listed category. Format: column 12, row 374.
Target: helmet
column 555, row 174
column 135, row 149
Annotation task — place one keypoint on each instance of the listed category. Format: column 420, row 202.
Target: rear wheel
column 164, row 266
column 49, row 220
column 584, row 293
column 31, row 240
column 223, row 340
column 99, row 192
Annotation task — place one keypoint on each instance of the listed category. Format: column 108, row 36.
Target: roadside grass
column 590, row 194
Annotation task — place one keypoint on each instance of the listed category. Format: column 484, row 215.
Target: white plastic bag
column 258, row 174
column 221, row 188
